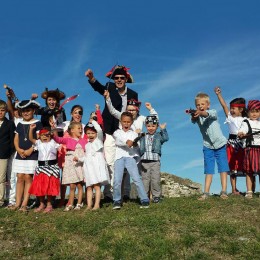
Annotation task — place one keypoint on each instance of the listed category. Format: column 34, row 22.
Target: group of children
column 241, row 153
column 47, row 156
column 42, row 153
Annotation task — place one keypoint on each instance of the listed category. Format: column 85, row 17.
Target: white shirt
column 122, row 150
column 255, row 125
column 234, row 123
column 138, row 122
column 47, row 151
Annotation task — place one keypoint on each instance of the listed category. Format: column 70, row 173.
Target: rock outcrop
column 174, row 186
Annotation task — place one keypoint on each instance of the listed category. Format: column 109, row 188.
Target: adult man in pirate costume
column 119, row 94
column 52, row 99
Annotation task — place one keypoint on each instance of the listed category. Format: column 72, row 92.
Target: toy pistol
column 11, row 92
column 190, row 111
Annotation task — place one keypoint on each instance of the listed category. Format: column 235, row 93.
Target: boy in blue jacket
column 150, row 148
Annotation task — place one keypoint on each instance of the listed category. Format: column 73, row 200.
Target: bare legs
column 90, row 196
column 24, row 182
column 73, row 187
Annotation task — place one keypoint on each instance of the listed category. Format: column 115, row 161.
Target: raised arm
column 32, row 127
column 221, row 100
column 115, row 113
column 95, row 84
column 151, row 109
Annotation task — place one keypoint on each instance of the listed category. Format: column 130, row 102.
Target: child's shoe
column 156, row 200
column 249, row 195
column 48, row 209
column 39, row 209
column 78, row 206
column 68, row 208
column 117, row 205
column 145, row 205
column 223, row 195
column 204, row 196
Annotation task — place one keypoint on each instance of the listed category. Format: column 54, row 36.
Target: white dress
column 95, row 167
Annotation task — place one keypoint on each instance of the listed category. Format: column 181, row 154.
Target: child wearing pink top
column 72, row 174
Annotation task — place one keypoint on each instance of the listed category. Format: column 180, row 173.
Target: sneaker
column 145, row 205
column 156, row 200
column 117, row 205
column 68, row 208
column 78, row 206
column 249, row 195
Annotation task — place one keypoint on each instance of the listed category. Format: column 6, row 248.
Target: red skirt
column 43, row 185
column 252, row 160
column 235, row 158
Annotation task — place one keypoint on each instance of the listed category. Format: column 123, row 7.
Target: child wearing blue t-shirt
column 214, row 144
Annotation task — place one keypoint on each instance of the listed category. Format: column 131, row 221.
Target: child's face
column 132, row 109
column 27, row 114
column 45, row 138
column 126, row 122
column 151, row 128
column 16, row 113
column 51, row 102
column 92, row 135
column 2, row 113
column 254, row 114
column 77, row 114
column 76, row 131
column 236, row 111
column 202, row 104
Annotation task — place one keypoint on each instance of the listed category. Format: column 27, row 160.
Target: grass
column 178, row 228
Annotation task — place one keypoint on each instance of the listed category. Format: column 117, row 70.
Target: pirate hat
column 152, row 119
column 59, row 95
column 27, row 104
column 133, row 102
column 253, row 104
column 120, row 70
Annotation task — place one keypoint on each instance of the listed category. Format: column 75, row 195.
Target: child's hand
column 34, row 96
column 241, row 134
column 75, row 159
column 28, row 152
column 32, row 126
column 217, row 90
column 21, row 153
column 129, row 143
column 52, row 122
column 138, row 131
column 106, row 94
column 89, row 74
column 148, row 105
column 163, row 126
column 97, row 107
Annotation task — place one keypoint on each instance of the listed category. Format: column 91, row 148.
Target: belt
column 46, row 163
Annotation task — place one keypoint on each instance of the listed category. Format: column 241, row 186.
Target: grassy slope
column 179, row 228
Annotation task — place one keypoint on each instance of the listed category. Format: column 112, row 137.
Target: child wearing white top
column 94, row 167
column 125, row 158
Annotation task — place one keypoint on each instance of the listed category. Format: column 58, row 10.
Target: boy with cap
column 150, row 149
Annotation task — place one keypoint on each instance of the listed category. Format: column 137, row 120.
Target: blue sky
column 174, row 50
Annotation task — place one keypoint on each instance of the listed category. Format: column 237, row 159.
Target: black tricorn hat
column 27, row 104
column 120, row 70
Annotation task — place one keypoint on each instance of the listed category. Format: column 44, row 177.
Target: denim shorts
column 219, row 155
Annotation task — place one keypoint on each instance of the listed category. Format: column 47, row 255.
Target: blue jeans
column 130, row 164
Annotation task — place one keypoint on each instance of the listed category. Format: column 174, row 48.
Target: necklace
column 25, row 132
